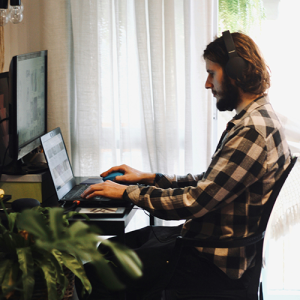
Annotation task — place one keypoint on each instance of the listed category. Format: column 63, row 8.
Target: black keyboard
column 75, row 193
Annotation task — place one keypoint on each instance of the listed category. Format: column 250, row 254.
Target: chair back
column 254, row 289
column 272, row 199
column 255, row 286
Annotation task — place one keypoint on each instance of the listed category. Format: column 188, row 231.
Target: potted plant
column 40, row 243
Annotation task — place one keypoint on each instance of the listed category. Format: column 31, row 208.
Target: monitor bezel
column 16, row 151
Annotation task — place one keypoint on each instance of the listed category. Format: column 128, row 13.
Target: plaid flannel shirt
column 227, row 200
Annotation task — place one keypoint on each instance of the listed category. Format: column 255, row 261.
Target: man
column 226, row 200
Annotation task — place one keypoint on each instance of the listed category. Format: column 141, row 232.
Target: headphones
column 235, row 65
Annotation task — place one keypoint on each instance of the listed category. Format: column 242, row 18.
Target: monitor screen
column 28, row 102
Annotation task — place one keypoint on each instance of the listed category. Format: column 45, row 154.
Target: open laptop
column 63, row 176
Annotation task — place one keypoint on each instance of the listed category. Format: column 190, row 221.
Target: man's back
column 250, row 160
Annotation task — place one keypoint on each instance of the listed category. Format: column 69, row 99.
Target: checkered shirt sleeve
column 227, row 200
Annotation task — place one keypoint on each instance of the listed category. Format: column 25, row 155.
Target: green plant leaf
column 4, row 265
column 240, row 15
column 50, row 277
column 57, row 261
column 77, row 268
column 11, row 241
column 2, row 228
column 74, row 213
column 127, row 258
column 33, row 222
column 11, row 220
column 56, row 222
column 107, row 275
column 27, row 267
column 10, row 277
column 57, row 244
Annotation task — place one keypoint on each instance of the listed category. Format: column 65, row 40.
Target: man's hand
column 130, row 175
column 107, row 189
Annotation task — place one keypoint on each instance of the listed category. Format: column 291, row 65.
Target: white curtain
column 139, row 78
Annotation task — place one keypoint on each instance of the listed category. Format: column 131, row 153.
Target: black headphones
column 235, row 65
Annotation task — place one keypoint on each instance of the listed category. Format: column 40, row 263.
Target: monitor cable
column 3, row 161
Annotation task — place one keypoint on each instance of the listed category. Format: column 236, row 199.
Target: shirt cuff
column 125, row 197
column 132, row 194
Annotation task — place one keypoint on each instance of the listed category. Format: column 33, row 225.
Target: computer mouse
column 112, row 176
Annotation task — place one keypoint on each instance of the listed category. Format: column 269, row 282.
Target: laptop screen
column 57, row 159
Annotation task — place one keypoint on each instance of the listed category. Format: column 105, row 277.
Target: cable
column 170, row 239
column 71, row 208
column 5, row 119
column 3, row 163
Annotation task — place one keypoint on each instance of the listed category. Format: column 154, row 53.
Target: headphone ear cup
column 235, row 67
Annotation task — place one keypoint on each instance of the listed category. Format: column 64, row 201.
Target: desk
column 108, row 225
column 111, row 225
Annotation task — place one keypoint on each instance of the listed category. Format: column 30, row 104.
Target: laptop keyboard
column 75, row 194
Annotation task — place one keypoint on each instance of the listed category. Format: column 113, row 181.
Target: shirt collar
column 262, row 100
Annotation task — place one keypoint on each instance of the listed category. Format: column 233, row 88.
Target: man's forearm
column 148, row 178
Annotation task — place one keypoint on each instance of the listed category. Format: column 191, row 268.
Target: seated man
column 226, row 201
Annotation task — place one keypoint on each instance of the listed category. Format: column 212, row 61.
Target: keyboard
column 75, row 193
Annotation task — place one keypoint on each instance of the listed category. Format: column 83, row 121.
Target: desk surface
column 110, row 225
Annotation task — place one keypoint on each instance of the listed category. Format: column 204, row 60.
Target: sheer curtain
column 139, row 78
column 282, row 240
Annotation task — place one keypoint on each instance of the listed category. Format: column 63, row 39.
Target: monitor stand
column 31, row 164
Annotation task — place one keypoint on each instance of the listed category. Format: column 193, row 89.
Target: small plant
column 42, row 240
column 240, row 15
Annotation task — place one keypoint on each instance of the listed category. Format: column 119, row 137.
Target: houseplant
column 41, row 241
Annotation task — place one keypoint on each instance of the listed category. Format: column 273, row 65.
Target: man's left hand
column 107, row 189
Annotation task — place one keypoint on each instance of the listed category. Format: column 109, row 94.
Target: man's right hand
column 131, row 175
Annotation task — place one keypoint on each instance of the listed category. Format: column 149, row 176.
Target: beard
column 230, row 96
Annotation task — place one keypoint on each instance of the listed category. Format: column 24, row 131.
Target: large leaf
column 10, row 278
column 77, row 239
column 11, row 241
column 27, row 268
column 50, row 276
column 127, row 258
column 107, row 275
column 11, row 220
column 33, row 222
column 4, row 266
column 56, row 222
column 57, row 262
column 77, row 268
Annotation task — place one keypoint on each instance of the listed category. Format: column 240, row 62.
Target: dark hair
column 256, row 76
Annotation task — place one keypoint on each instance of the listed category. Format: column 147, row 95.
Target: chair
column 254, row 290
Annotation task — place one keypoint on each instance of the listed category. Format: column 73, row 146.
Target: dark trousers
column 154, row 247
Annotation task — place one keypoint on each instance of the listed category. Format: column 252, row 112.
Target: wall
column 46, row 26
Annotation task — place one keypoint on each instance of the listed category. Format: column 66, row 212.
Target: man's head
column 255, row 78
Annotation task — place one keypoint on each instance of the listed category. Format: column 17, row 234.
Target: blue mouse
column 112, row 176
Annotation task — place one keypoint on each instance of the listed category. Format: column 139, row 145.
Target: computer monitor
column 28, row 104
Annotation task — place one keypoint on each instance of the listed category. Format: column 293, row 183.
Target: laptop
column 63, row 177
